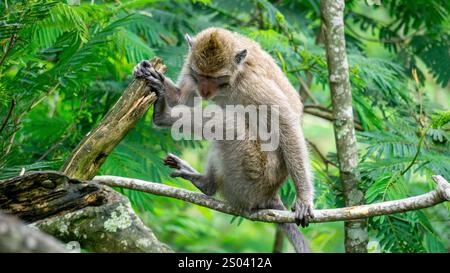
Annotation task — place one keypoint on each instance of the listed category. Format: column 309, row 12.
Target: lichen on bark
column 332, row 14
column 112, row 227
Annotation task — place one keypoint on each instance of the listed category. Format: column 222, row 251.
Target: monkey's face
column 214, row 61
column 210, row 85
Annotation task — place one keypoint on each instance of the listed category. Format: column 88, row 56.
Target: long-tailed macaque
column 227, row 68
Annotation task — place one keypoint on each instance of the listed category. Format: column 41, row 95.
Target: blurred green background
column 64, row 64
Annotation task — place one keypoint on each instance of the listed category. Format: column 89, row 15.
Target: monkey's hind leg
column 204, row 182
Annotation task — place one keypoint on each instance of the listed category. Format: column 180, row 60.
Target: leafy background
column 63, row 65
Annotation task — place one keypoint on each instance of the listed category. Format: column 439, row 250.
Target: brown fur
column 211, row 52
column 246, row 176
column 254, row 176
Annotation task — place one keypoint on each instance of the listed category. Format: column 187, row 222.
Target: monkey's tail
column 291, row 230
column 295, row 237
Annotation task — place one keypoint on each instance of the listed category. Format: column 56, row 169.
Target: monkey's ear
column 188, row 40
column 240, row 56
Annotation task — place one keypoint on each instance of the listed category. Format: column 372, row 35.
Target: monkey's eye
column 223, row 85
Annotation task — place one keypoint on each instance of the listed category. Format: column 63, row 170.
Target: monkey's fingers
column 155, row 74
column 141, row 69
column 137, row 72
column 172, row 161
column 154, row 82
column 146, row 63
column 302, row 214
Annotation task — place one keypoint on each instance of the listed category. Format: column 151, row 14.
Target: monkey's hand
column 303, row 212
column 182, row 167
column 155, row 80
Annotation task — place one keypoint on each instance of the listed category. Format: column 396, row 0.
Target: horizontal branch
column 439, row 195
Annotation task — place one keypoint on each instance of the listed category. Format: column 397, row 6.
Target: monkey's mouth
column 206, row 95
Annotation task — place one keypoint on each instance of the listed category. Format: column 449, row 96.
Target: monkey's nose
column 205, row 93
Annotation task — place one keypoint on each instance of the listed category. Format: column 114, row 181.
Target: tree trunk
column 332, row 11
column 16, row 237
column 95, row 216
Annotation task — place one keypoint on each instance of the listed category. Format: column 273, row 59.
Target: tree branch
column 315, row 111
column 439, row 195
column 322, row 156
column 87, row 158
column 305, row 89
column 8, row 116
column 10, row 46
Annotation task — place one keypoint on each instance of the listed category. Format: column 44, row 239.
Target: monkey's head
column 215, row 57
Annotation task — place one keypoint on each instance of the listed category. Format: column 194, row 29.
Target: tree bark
column 441, row 194
column 74, row 210
column 85, row 161
column 16, row 237
column 95, row 216
column 332, row 12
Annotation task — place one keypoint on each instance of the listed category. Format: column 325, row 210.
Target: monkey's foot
column 303, row 213
column 182, row 166
column 154, row 79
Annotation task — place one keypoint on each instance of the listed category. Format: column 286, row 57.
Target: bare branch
column 328, row 116
column 304, row 88
column 441, row 194
column 319, row 153
column 319, row 107
column 10, row 46
column 8, row 116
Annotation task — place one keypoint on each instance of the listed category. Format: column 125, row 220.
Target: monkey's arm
column 293, row 148
column 169, row 94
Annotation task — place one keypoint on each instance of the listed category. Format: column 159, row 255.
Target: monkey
column 227, row 68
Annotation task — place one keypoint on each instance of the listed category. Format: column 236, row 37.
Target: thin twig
column 329, row 116
column 419, row 145
column 10, row 46
column 305, row 88
column 8, row 116
column 318, row 106
column 319, row 153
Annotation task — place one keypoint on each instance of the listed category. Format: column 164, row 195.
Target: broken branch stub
column 86, row 159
